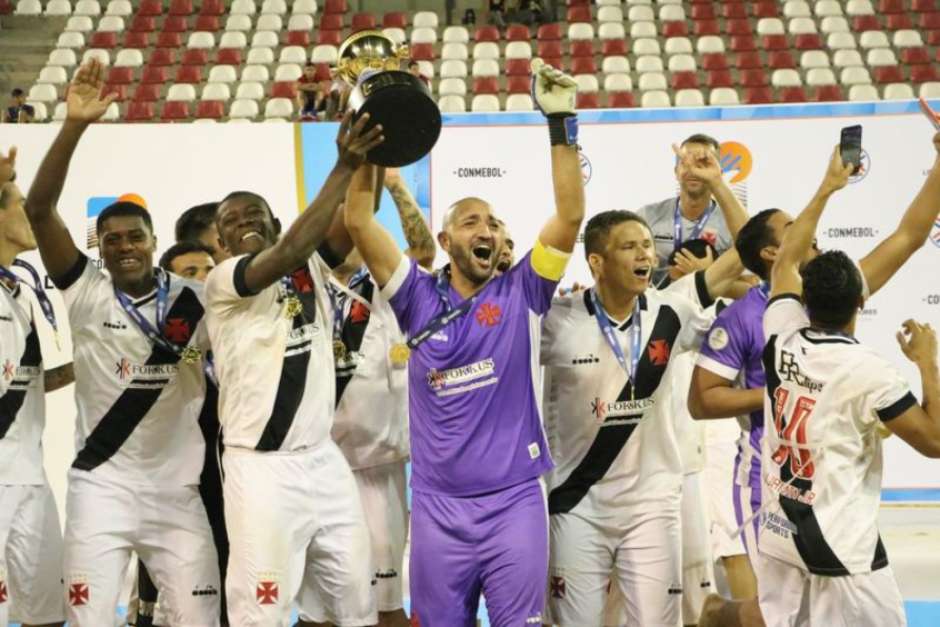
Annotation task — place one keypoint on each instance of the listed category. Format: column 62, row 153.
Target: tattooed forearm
column 420, row 241
column 59, row 377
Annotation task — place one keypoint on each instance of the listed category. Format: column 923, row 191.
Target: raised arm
column 372, row 240
column 85, row 105
column 421, row 246
column 704, row 165
column 919, row 425
column 308, row 231
column 886, row 259
column 712, row 396
column 555, row 94
column 785, row 275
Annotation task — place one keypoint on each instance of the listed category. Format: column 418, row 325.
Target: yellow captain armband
column 549, row 263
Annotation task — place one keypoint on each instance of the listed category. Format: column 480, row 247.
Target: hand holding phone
column 850, row 146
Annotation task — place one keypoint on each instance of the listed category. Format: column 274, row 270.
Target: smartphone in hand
column 850, row 146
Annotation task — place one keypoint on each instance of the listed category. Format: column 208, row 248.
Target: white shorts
column 293, row 519
column 800, row 598
column 718, row 488
column 382, row 491
column 642, row 558
column 166, row 526
column 30, row 556
column 698, row 574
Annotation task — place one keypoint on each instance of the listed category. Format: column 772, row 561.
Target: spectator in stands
column 19, row 112
column 197, row 224
column 497, row 13
column 414, row 68
column 528, row 12
column 469, row 18
column 312, row 94
column 337, row 97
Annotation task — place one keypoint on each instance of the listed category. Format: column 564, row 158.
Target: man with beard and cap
column 292, row 509
column 477, row 446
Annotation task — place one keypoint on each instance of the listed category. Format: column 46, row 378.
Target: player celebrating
column 292, row 509
column 477, row 447
column 139, row 387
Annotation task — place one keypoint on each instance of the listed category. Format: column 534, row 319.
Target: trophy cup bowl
column 411, row 121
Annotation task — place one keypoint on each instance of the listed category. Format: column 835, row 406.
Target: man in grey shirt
column 706, row 208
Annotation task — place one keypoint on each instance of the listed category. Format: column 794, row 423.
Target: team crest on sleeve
column 79, row 592
column 558, row 587
column 718, row 338
column 267, row 591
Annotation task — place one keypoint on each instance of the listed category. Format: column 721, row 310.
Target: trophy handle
column 344, row 71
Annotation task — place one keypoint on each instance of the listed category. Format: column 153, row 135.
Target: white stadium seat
column 54, row 75
column 452, row 104
column 43, row 92
column 288, row 72
column 863, row 93
column 424, row 19
column 655, row 100
column 485, row 103
column 453, row 69
column 293, row 54
column 59, row 8
column 249, row 91
column 618, row 82
column 898, row 91
column 216, row 91
column 615, row 65
column 456, row 35
column 723, row 96
column 185, row 93
column 243, row 109
column 519, row 102
column 222, row 74
column 260, row 56
column 201, row 40
column 122, row 8
column 28, row 7
column 70, row 39
column 689, row 98
column 129, row 57
column 278, row 108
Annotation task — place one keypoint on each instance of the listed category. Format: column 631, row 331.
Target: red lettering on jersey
column 176, row 330
column 78, row 594
column 488, row 314
column 358, row 313
column 659, row 352
column 710, row 236
column 558, row 587
column 302, row 280
column 266, row 592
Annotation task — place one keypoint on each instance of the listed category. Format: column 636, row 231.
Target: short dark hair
column 16, row 93
column 697, row 247
column 123, row 208
column 753, row 237
column 194, row 221
column 598, row 228
column 702, row 138
column 413, row 63
column 181, row 248
column 832, row 289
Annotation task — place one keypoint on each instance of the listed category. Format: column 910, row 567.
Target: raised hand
column 837, row 174
column 552, row 90
column 353, row 144
column 918, row 342
column 701, row 164
column 85, row 101
column 687, row 263
column 8, row 166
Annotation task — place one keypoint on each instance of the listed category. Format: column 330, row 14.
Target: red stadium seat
column 175, row 24
column 331, row 22
column 555, row 62
column 486, row 85
column 583, row 65
column 923, row 6
column 150, row 7
column 915, row 55
column 422, row 52
column 195, row 56
column 684, row 80
column 212, row 109
column 105, row 40
column 581, row 48
column 362, row 21
column 517, row 67
column 611, row 47
column 119, row 91
column 335, row 6
column 758, row 95
column 933, row 37
column 212, row 7
column 929, row 21
column 162, row 57
column 891, row 6
column 189, row 74
column 331, row 37
column 774, row 42
column 706, row 27
column 519, row 85
column 743, row 43
column 486, row 33
column 153, row 74
column 675, row 28
column 298, row 38
column 208, row 23
column 175, row 110
column 549, row 31
column 620, row 100
column 714, row 61
column 703, row 12
column 899, row 21
column 765, row 9
column 587, row 101
column 147, row 92
column 829, row 93
column 518, row 32
column 579, row 14
column 753, row 78
column 808, row 41
column 924, row 74
column 181, row 7
column 888, row 74
column 169, row 40
column 748, row 61
column 229, row 56
column 792, row 94
column 734, row 11
column 136, row 40
column 121, row 76
column 720, row 78
column 284, row 89
column 549, row 48
column 578, row 3
column 861, row 23
column 6, row 7
column 780, row 59
column 738, row 27
column 139, row 112
column 143, row 24
column 395, row 19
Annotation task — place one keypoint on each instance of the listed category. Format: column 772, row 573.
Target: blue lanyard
column 153, row 334
column 338, row 299
column 636, row 336
column 44, row 303
column 764, row 288
column 696, row 229
column 442, row 287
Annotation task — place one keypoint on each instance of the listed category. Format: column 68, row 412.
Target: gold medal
column 339, row 350
column 399, row 354
column 294, row 308
column 191, row 355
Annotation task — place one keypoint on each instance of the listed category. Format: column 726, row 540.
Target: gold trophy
column 401, row 102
